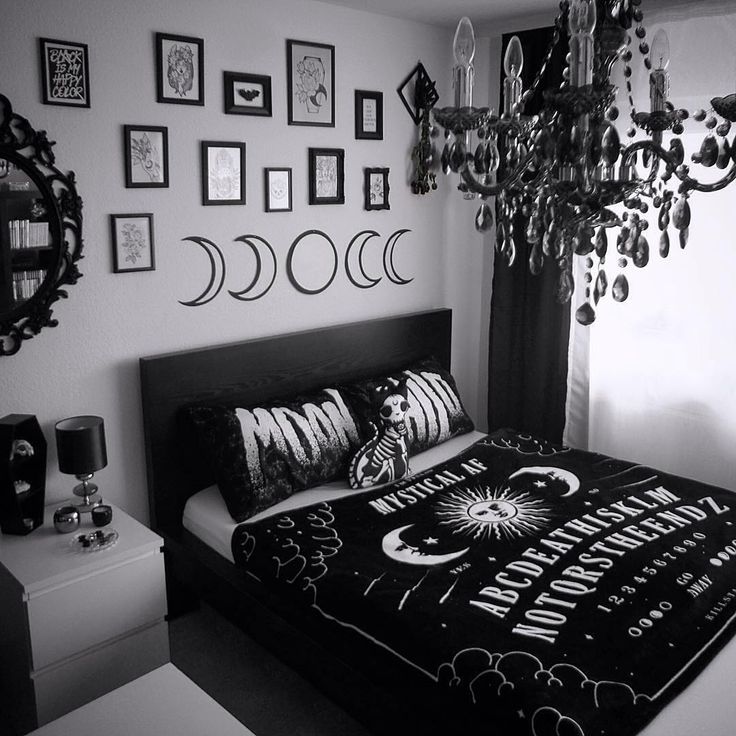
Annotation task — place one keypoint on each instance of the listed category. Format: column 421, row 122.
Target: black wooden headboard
column 261, row 370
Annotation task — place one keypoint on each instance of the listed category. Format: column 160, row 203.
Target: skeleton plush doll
column 385, row 457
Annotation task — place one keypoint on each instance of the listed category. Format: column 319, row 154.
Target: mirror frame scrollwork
column 31, row 151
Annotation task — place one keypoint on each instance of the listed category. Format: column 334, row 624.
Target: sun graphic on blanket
column 486, row 513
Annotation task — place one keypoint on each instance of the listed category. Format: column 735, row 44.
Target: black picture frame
column 310, row 74
column 146, row 150
column 64, row 73
column 277, row 191
column 326, row 176
column 247, row 94
column 179, row 69
column 132, row 242
column 418, row 92
column 375, row 188
column 223, row 172
column 368, row 115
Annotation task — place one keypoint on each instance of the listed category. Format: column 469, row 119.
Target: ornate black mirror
column 40, row 230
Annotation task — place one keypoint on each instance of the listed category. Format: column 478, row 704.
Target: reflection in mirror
column 40, row 231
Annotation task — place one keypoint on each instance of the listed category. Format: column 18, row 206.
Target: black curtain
column 529, row 329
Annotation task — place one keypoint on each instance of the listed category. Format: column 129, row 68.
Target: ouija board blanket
column 531, row 589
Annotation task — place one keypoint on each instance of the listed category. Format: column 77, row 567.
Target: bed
column 391, row 681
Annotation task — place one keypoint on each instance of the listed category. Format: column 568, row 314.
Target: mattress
column 206, row 516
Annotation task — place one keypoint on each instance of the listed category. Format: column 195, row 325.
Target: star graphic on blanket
column 520, row 713
column 540, row 484
column 589, row 637
column 430, row 540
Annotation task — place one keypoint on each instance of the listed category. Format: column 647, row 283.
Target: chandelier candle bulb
column 463, row 47
column 659, row 80
column 581, row 23
column 513, row 63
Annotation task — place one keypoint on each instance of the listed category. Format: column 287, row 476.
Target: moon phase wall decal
column 263, row 252
column 245, row 295
column 290, row 263
column 217, row 276
column 368, row 281
column 388, row 259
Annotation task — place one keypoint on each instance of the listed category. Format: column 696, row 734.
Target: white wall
column 89, row 363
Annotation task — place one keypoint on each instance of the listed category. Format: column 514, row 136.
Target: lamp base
column 86, row 493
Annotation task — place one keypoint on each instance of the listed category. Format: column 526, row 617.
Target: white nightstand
column 75, row 624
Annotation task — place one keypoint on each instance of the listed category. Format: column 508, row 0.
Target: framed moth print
column 132, row 243
column 368, row 115
column 326, row 176
column 223, row 172
column 310, row 70
column 247, row 94
column 277, row 185
column 146, row 156
column 64, row 73
column 179, row 69
column 375, row 189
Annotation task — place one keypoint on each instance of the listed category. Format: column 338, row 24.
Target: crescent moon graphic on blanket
column 388, row 258
column 395, row 548
column 217, row 273
column 245, row 293
column 554, row 474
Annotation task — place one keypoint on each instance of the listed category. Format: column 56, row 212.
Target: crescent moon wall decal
column 290, row 268
column 245, row 295
column 388, row 258
column 573, row 482
column 369, row 281
column 393, row 547
column 217, row 273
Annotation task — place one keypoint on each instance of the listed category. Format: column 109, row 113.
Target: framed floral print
column 375, row 189
column 132, row 243
column 223, row 172
column 326, row 176
column 368, row 115
column 179, row 69
column 277, row 185
column 64, row 73
column 146, row 156
column 247, row 94
column 310, row 70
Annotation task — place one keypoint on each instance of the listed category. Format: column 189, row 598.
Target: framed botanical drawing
column 326, row 176
column 368, row 115
column 375, row 189
column 277, row 186
column 310, row 70
column 64, row 73
column 179, row 69
column 146, row 156
column 223, row 172
column 132, row 243
column 247, row 94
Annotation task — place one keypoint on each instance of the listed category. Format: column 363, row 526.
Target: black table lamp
column 80, row 442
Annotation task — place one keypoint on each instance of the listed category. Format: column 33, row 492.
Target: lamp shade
column 80, row 442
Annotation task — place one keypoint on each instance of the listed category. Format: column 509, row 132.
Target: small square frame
column 146, row 156
column 375, row 189
column 64, row 73
column 132, row 242
column 310, row 87
column 247, row 94
column 223, row 172
column 368, row 115
column 326, row 176
column 185, row 86
column 277, row 190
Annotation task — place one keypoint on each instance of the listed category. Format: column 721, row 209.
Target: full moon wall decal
column 266, row 265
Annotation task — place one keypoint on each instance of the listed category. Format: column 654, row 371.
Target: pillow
column 385, row 457
column 261, row 455
column 435, row 411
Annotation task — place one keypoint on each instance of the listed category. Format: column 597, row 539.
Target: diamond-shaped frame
column 418, row 92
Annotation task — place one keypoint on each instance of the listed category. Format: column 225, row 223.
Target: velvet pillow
column 435, row 411
column 261, row 455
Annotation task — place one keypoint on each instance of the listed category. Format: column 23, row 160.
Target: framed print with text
column 223, row 172
column 179, row 69
column 132, row 242
column 146, row 156
column 310, row 70
column 368, row 115
column 247, row 94
column 277, row 185
column 326, row 176
column 64, row 73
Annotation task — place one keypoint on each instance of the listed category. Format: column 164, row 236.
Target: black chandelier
column 564, row 175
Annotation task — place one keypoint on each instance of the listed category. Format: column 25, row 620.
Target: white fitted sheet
column 207, row 517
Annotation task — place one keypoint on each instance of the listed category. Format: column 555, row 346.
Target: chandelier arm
column 689, row 183
column 491, row 190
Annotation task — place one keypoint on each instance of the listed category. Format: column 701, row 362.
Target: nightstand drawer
column 87, row 611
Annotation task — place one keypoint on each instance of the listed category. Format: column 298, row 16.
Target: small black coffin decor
column 22, row 473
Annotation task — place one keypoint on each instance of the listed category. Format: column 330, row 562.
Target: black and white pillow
column 435, row 412
column 261, row 455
